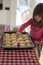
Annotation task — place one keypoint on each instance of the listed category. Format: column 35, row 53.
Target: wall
column 13, row 12
column 8, row 17
column 10, row 14
column 5, row 15
column 2, row 17
column 7, row 3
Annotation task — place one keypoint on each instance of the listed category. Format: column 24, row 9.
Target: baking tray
column 17, row 48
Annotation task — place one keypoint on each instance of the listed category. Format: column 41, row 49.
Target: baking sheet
column 33, row 45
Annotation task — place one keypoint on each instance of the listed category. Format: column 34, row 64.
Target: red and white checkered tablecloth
column 18, row 57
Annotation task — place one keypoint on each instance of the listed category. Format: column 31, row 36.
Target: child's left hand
column 36, row 42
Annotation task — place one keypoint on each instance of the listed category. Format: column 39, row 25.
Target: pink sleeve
column 25, row 25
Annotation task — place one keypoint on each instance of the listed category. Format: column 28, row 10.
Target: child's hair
column 38, row 10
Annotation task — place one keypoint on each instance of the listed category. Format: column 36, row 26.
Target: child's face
column 37, row 18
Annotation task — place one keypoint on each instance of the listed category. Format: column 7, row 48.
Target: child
column 36, row 23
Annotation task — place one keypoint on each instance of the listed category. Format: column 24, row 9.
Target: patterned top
column 36, row 32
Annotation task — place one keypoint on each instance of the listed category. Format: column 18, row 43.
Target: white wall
column 7, row 3
column 13, row 12
column 2, row 17
column 5, row 15
column 8, row 17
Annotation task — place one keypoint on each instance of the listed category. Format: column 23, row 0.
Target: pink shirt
column 36, row 32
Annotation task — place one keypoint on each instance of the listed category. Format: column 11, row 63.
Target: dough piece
column 7, row 39
column 22, row 45
column 22, row 42
column 20, row 39
column 14, row 41
column 6, row 34
column 13, row 35
column 7, row 46
column 7, row 42
column 14, row 45
column 29, row 45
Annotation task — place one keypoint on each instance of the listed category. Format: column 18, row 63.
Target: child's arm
column 25, row 25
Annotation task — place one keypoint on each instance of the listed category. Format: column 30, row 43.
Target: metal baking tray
column 17, row 48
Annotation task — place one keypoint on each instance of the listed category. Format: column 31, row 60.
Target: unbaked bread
column 7, row 45
column 11, row 40
column 14, row 45
column 22, row 45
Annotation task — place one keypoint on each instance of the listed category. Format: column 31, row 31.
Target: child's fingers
column 36, row 42
column 18, row 33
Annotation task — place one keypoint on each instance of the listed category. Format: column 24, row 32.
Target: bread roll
column 7, row 46
column 22, row 45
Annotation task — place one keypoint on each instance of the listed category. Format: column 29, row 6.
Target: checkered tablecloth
column 18, row 57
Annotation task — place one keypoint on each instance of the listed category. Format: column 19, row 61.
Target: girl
column 36, row 23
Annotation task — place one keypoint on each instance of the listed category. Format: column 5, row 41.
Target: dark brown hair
column 38, row 10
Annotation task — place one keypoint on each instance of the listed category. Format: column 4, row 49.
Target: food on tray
column 7, row 45
column 22, row 42
column 7, row 42
column 7, row 34
column 10, row 45
column 20, row 38
column 7, row 39
column 22, row 45
column 28, row 41
column 14, row 45
column 25, row 43
column 13, row 35
column 24, row 35
column 11, row 40
column 29, row 45
column 21, row 35
column 26, row 38
column 14, row 41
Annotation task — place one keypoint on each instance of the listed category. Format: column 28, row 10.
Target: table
column 18, row 57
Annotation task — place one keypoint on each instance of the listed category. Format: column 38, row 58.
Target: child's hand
column 36, row 42
column 18, row 33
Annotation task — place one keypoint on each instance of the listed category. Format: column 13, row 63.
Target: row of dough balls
column 15, row 35
column 15, row 38
column 15, row 44
column 15, row 41
column 10, row 40
column 9, row 45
